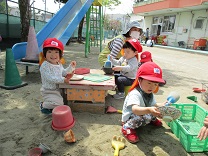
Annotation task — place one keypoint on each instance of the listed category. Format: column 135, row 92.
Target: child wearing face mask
column 140, row 107
column 114, row 47
column 127, row 66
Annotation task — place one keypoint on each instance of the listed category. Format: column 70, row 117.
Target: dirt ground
column 23, row 126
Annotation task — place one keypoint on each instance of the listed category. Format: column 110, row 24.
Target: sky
column 124, row 8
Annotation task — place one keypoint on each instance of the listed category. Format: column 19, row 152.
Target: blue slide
column 61, row 26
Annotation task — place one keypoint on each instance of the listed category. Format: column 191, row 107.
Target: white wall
column 184, row 21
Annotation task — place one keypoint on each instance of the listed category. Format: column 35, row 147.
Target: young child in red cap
column 145, row 56
column 140, row 107
column 52, row 72
column 127, row 65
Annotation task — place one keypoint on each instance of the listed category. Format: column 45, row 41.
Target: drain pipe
column 206, row 25
column 190, row 26
column 176, row 37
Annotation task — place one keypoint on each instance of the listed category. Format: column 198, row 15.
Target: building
column 180, row 21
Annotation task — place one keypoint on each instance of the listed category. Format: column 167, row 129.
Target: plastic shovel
column 111, row 109
column 118, row 143
column 108, row 63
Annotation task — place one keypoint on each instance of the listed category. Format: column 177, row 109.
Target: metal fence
column 10, row 25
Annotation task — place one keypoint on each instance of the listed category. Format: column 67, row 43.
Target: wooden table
column 87, row 96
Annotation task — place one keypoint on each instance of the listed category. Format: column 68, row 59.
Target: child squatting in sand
column 140, row 107
column 52, row 72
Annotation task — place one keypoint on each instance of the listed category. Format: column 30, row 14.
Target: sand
column 23, row 126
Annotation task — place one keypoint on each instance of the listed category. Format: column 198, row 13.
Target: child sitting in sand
column 140, row 107
column 127, row 65
column 52, row 73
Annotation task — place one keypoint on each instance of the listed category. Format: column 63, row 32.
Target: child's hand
column 117, row 68
column 66, row 80
column 203, row 133
column 154, row 111
column 206, row 122
column 68, row 77
column 73, row 64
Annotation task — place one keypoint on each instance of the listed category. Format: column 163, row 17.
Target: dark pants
column 122, row 81
column 146, row 39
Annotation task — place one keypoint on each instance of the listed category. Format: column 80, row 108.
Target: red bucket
column 62, row 118
column 35, row 152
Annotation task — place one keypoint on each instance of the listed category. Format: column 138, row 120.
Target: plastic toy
column 111, row 109
column 44, row 148
column 168, row 112
column 118, row 143
column 108, row 63
column 172, row 98
column 69, row 136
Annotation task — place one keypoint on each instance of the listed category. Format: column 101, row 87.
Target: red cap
column 53, row 43
column 150, row 71
column 136, row 44
column 145, row 56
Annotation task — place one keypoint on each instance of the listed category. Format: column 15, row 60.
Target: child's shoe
column 119, row 95
column 45, row 110
column 156, row 122
column 130, row 135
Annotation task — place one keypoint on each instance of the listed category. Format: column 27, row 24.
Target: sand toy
column 108, row 63
column 168, row 112
column 111, row 109
column 69, row 136
column 118, row 143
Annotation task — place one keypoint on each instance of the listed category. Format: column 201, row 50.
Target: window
column 199, row 24
column 137, row 1
column 168, row 23
column 163, row 24
column 155, row 20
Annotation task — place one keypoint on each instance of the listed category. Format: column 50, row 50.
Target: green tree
column 107, row 22
column 2, row 6
column 110, row 4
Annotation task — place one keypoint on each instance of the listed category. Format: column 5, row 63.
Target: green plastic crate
column 187, row 127
column 174, row 127
column 188, row 132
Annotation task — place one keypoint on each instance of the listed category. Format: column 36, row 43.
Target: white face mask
column 135, row 34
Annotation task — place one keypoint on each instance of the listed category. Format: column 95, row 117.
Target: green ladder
column 94, row 27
